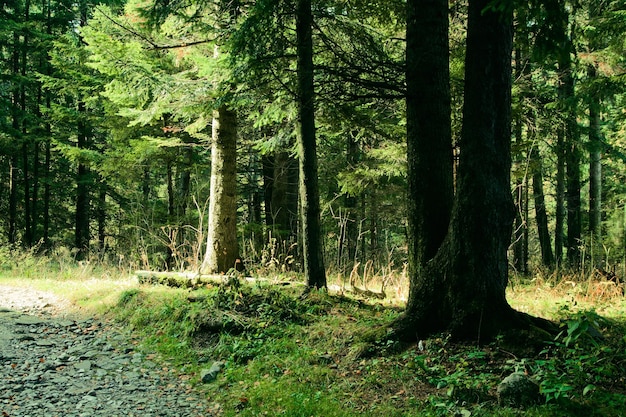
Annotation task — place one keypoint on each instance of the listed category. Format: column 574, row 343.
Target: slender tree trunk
column 102, row 214
column 595, row 168
column 520, row 242
column 35, row 196
column 349, row 231
column 573, row 183
column 541, row 216
column 267, row 162
column 284, row 200
column 570, row 145
column 171, row 215
column 83, row 177
column 13, row 182
column 15, row 124
column 312, row 250
column 559, row 236
column 28, row 231
column 595, row 146
column 222, row 252
column 47, row 189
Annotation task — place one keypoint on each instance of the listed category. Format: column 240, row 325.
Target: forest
column 127, row 127
column 430, row 152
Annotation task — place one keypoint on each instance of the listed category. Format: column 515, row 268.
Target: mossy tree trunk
column 222, row 251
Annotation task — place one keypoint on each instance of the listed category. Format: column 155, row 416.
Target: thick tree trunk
column 310, row 226
column 463, row 289
column 429, row 137
column 222, row 251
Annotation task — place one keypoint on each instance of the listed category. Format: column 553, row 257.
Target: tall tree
column 595, row 138
column 463, row 286
column 222, row 251
column 312, row 249
column 429, row 136
column 222, row 248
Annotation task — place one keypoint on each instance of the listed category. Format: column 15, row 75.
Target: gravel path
column 52, row 365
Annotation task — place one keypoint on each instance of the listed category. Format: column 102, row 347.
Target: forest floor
column 264, row 350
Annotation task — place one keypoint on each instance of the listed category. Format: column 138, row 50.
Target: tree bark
column 429, row 137
column 595, row 145
column 541, row 216
column 463, row 286
column 595, row 167
column 82, row 215
column 222, row 251
column 284, row 198
column 310, row 226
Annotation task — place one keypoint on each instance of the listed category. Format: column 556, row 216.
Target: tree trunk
column 13, row 181
column 284, row 198
column 570, row 146
column 222, row 251
column 463, row 287
column 102, row 214
column 595, row 146
column 595, row 168
column 15, row 124
column 47, row 187
column 429, row 137
column 81, row 231
column 349, row 232
column 312, row 250
column 559, row 237
column 541, row 216
column 28, row 230
column 267, row 162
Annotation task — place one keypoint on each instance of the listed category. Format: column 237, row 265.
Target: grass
column 285, row 355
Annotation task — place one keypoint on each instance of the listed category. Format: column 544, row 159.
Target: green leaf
column 589, row 388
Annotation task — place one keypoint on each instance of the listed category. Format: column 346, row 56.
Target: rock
column 518, row 390
column 209, row 375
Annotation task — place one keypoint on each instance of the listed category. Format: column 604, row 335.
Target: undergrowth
column 285, row 354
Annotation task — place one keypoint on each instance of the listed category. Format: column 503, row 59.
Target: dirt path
column 56, row 365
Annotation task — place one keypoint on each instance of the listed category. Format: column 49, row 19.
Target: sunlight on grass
column 286, row 355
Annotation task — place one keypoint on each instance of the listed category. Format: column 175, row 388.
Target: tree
column 312, row 249
column 222, row 251
column 462, row 289
column 429, row 136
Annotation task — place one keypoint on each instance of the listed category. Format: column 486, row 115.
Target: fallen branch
column 195, row 280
